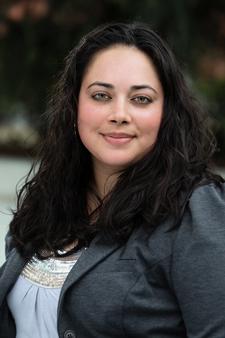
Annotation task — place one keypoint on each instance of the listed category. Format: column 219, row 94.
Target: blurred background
column 35, row 37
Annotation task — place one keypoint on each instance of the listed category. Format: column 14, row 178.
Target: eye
column 142, row 99
column 101, row 97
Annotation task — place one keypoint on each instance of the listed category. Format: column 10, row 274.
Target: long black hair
column 52, row 205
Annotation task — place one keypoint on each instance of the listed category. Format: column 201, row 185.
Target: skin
column 120, row 110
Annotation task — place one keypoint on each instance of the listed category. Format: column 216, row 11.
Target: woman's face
column 120, row 107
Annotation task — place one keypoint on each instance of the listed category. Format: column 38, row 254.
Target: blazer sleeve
column 198, row 264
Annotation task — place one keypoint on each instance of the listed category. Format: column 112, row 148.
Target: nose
column 120, row 113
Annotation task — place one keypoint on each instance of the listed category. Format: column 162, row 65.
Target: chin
column 119, row 165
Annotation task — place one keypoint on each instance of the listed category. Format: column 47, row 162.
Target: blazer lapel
column 9, row 272
column 96, row 252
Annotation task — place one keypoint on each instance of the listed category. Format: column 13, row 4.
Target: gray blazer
column 169, row 284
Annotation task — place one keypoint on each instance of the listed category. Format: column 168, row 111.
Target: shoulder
column 205, row 212
column 8, row 244
column 208, row 200
column 200, row 239
column 201, row 230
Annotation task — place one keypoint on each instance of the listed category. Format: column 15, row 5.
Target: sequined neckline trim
column 51, row 272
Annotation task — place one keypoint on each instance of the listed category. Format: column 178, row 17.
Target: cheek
column 88, row 116
column 151, row 123
column 89, row 122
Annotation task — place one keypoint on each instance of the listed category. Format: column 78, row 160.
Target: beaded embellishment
column 51, row 272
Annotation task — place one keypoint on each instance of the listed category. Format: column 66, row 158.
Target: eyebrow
column 110, row 86
column 138, row 87
column 103, row 84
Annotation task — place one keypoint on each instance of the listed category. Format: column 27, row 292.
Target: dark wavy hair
column 52, row 205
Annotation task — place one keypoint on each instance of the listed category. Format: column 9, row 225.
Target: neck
column 105, row 179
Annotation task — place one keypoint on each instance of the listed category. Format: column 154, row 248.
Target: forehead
column 121, row 63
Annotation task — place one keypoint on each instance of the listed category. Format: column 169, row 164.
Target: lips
column 119, row 135
column 118, row 138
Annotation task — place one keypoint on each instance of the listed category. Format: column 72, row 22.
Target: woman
column 121, row 232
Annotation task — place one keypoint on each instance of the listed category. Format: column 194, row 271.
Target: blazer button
column 69, row 334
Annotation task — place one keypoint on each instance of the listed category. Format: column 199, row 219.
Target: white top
column 33, row 300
